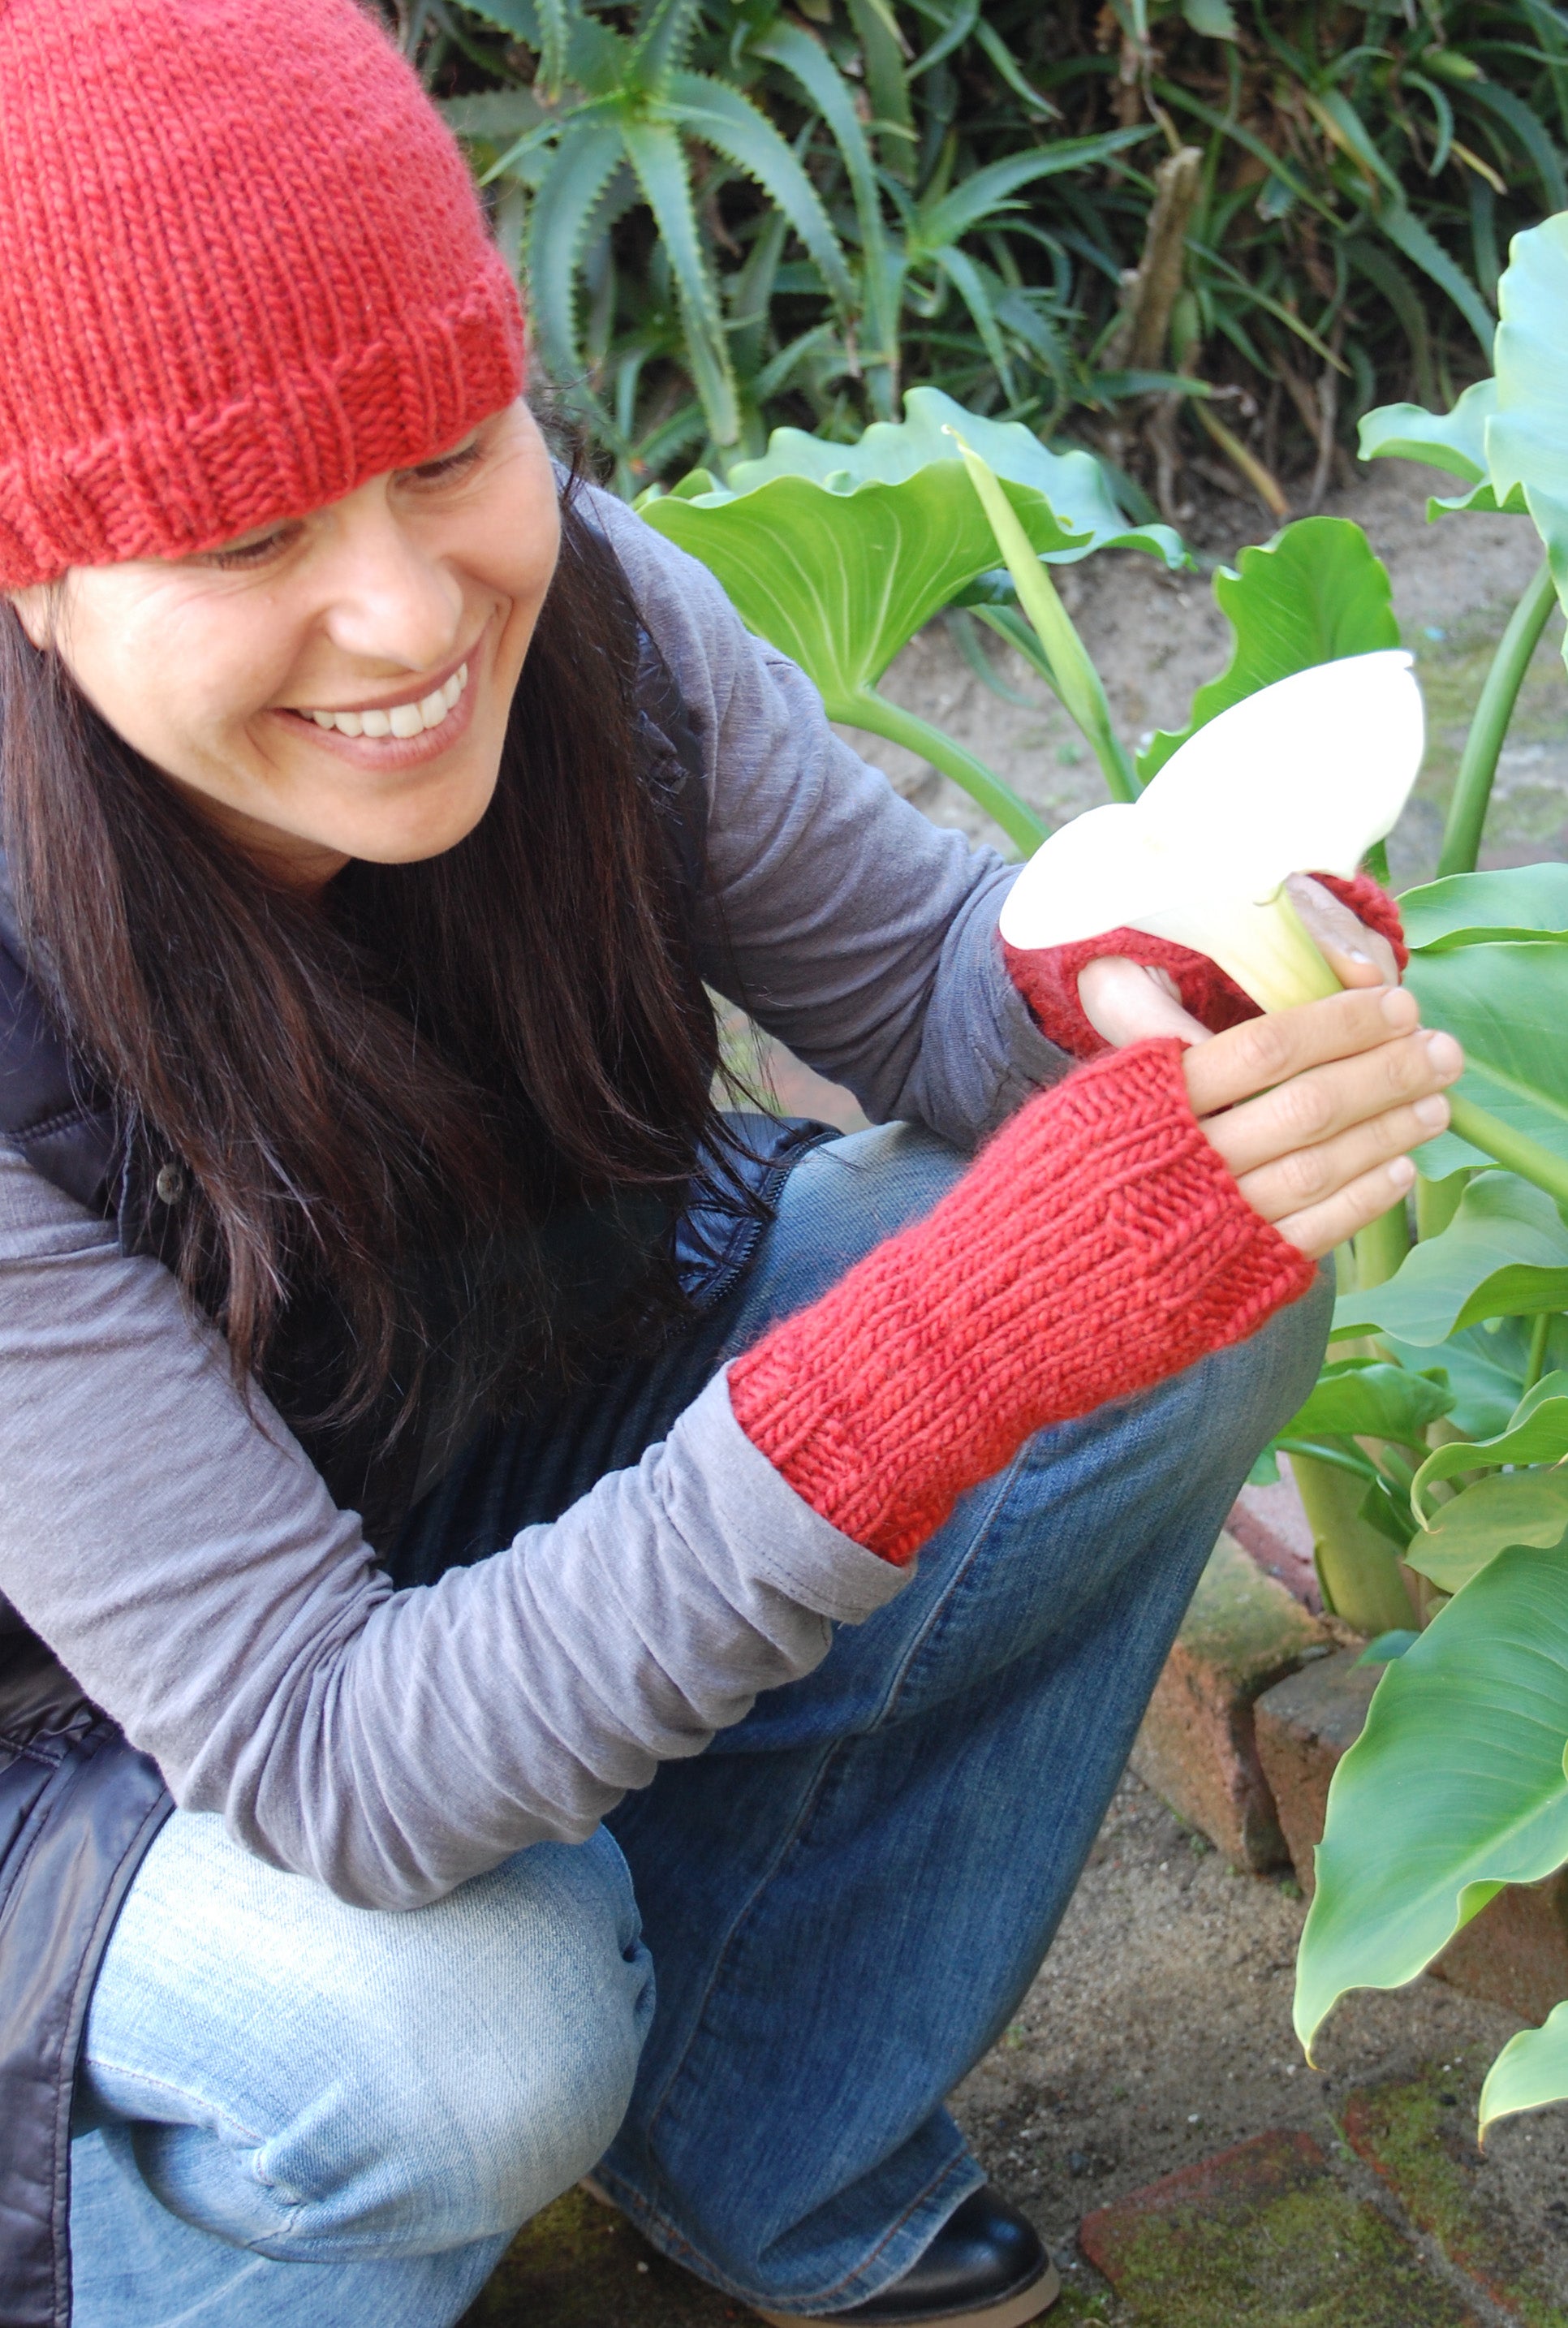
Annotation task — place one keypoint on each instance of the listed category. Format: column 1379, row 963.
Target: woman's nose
column 389, row 599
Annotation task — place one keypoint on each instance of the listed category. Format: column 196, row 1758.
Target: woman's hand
column 1314, row 1109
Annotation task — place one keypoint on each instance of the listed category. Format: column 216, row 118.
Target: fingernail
column 1402, row 1172
column 1444, row 1053
column 1432, row 1110
column 1398, row 1007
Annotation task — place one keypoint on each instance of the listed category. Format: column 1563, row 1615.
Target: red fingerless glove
column 1097, row 1245
column 1047, row 976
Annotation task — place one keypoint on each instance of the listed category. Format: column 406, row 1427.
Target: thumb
column 1126, row 1003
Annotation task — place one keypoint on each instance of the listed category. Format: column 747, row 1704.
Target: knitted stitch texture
column 1047, row 976
column 244, row 270
column 1097, row 1245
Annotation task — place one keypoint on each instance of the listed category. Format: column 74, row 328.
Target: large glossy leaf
column 1455, row 1788
column 1317, row 592
column 1537, row 1432
column 1366, row 1398
column 1504, row 1254
column 1528, row 434
column 838, row 554
column 1482, row 909
column 1508, row 1005
column 1528, row 1507
column 1455, row 441
column 1531, row 2071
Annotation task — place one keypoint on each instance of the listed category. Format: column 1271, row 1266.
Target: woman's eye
column 247, row 553
column 449, row 464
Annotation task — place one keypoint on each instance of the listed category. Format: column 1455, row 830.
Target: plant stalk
column 1536, row 1363
column 1513, row 1150
column 1461, row 838
column 1437, row 1202
column 1381, row 1246
column 868, row 710
column 1358, row 1569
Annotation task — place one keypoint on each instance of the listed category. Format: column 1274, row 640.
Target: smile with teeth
column 403, row 720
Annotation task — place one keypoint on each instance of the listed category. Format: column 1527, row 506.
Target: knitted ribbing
column 1097, row 1245
column 1047, row 976
column 245, row 269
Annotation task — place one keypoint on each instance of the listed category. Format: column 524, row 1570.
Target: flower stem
column 1461, row 838
column 868, row 710
column 1513, row 1150
column 1535, row 1364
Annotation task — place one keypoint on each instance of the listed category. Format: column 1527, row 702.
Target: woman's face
column 333, row 686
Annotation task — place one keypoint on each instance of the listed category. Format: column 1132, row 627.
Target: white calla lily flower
column 1301, row 777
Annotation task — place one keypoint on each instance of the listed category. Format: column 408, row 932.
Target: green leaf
column 662, row 43
column 1508, row 1005
column 1536, row 1434
column 986, row 191
column 1367, row 1398
column 1387, row 1646
column 1217, row 18
column 1455, row 1788
column 838, row 554
column 737, row 128
column 656, row 154
column 1455, row 441
column 1531, row 2071
column 1316, row 592
column 1528, row 434
column 1504, row 1254
column 1486, row 909
column 1529, row 1508
column 581, row 167
column 1421, row 247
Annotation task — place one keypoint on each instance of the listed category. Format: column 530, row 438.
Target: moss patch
column 581, row 2266
column 1418, row 2137
column 1263, row 2236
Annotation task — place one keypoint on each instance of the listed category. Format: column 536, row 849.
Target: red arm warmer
column 1097, row 1245
column 1047, row 976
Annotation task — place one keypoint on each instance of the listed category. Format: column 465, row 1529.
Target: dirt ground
column 1159, row 2030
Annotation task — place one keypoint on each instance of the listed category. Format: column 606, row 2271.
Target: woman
column 429, row 1431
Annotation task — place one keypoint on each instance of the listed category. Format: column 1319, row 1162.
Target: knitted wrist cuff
column 1047, row 976
column 1097, row 1245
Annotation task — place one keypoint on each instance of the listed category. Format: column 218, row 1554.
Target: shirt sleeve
column 182, row 1558
column 850, row 925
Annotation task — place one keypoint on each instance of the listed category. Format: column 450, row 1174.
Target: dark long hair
column 396, row 1110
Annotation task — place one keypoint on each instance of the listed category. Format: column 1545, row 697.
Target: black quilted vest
column 79, row 1804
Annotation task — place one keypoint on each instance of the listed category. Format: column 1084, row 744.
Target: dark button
column 170, row 1184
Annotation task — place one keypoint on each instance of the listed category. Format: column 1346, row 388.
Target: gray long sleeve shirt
column 182, row 1557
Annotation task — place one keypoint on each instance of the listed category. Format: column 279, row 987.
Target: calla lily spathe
column 1304, row 776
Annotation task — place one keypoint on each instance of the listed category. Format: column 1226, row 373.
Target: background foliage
column 737, row 214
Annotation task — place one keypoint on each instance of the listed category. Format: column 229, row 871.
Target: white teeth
column 405, row 719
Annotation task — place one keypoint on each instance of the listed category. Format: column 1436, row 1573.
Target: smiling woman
column 475, row 1477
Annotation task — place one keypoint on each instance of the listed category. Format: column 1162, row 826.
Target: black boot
column 985, row 2268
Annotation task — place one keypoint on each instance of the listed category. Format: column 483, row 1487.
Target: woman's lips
column 392, row 753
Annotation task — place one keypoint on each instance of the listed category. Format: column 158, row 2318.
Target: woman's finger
column 1356, row 955
column 1320, row 1228
column 1125, row 1002
column 1310, row 1176
column 1262, row 1052
column 1312, row 1108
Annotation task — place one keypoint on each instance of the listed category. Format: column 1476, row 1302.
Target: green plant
column 991, row 178
column 1460, row 1783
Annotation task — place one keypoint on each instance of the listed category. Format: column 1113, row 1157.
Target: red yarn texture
column 244, row 266
column 1047, row 976
column 1097, row 1245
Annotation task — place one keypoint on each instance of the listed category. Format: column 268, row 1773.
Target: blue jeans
column 301, row 2112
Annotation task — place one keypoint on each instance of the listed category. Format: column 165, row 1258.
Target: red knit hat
column 244, row 270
